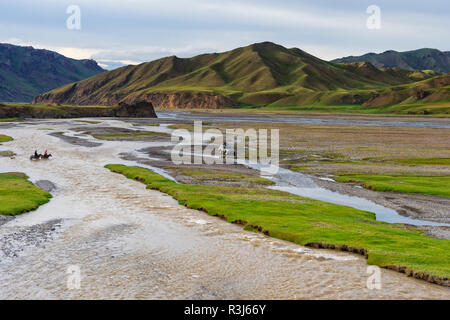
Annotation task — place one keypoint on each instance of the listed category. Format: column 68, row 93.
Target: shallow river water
column 134, row 243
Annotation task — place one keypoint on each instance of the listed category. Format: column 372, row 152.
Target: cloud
column 75, row 53
column 15, row 41
column 118, row 32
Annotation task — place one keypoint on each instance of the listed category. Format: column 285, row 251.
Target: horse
column 35, row 157
column 40, row 156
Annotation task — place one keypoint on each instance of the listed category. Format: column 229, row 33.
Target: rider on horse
column 38, row 156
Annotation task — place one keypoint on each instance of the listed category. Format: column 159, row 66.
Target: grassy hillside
column 26, row 72
column 262, row 74
column 422, row 59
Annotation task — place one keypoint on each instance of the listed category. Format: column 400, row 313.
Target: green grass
column 148, row 124
column 19, row 195
column 303, row 221
column 19, row 85
column 7, row 153
column 187, row 126
column 136, row 135
column 441, row 109
column 4, row 138
column 301, row 168
column 88, row 121
column 207, row 175
column 431, row 185
column 425, row 161
column 11, row 120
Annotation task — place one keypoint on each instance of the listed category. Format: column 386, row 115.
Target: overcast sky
column 117, row 32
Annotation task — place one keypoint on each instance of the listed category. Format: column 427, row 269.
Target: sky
column 117, row 33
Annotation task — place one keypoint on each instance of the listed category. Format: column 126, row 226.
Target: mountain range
column 26, row 72
column 421, row 59
column 262, row 74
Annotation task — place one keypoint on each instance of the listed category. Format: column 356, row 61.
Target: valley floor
column 130, row 242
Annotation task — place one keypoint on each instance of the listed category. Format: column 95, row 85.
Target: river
column 133, row 243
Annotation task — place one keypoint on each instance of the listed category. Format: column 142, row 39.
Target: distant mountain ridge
column 261, row 74
column 26, row 72
column 421, row 59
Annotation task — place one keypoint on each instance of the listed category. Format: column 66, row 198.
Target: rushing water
column 130, row 242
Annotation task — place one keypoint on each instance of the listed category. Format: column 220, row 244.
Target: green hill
column 421, row 59
column 262, row 74
column 26, row 72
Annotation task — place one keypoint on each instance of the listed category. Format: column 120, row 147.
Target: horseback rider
column 45, row 154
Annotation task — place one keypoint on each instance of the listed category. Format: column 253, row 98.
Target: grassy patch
column 7, row 153
column 11, row 120
column 187, row 126
column 4, row 138
column 190, row 126
column 88, row 121
column 136, row 135
column 148, row 124
column 301, row 168
column 307, row 221
column 207, row 175
column 19, row 195
column 294, row 156
column 432, row 185
column 436, row 109
column 425, row 161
